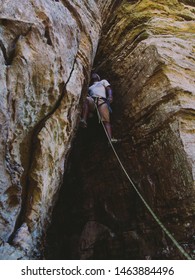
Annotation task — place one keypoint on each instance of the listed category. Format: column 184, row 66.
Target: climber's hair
column 95, row 76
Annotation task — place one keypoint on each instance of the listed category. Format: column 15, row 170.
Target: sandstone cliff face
column 47, row 51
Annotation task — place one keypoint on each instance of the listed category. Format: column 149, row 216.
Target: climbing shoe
column 83, row 123
column 114, row 140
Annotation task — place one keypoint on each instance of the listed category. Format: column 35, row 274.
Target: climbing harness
column 142, row 198
column 105, row 101
column 97, row 105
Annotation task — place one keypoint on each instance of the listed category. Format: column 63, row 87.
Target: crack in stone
column 3, row 51
column 35, row 133
column 77, row 18
column 10, row 53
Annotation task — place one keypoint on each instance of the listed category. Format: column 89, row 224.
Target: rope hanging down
column 143, row 200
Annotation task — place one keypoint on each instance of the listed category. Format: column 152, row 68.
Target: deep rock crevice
column 98, row 214
column 82, row 205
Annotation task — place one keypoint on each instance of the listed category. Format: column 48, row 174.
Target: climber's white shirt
column 99, row 89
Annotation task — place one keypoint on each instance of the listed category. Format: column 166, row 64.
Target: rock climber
column 100, row 93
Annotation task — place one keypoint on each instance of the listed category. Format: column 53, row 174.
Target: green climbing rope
column 142, row 198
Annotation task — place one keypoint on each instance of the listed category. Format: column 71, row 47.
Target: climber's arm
column 109, row 92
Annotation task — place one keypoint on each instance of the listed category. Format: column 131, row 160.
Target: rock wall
column 46, row 52
column 47, row 49
column 144, row 54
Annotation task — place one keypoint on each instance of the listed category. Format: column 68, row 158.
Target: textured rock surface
column 144, row 54
column 46, row 53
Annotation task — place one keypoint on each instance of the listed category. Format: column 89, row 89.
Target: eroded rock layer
column 154, row 74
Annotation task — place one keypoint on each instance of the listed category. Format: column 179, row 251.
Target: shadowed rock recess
column 63, row 194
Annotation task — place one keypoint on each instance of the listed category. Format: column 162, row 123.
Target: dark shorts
column 102, row 108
